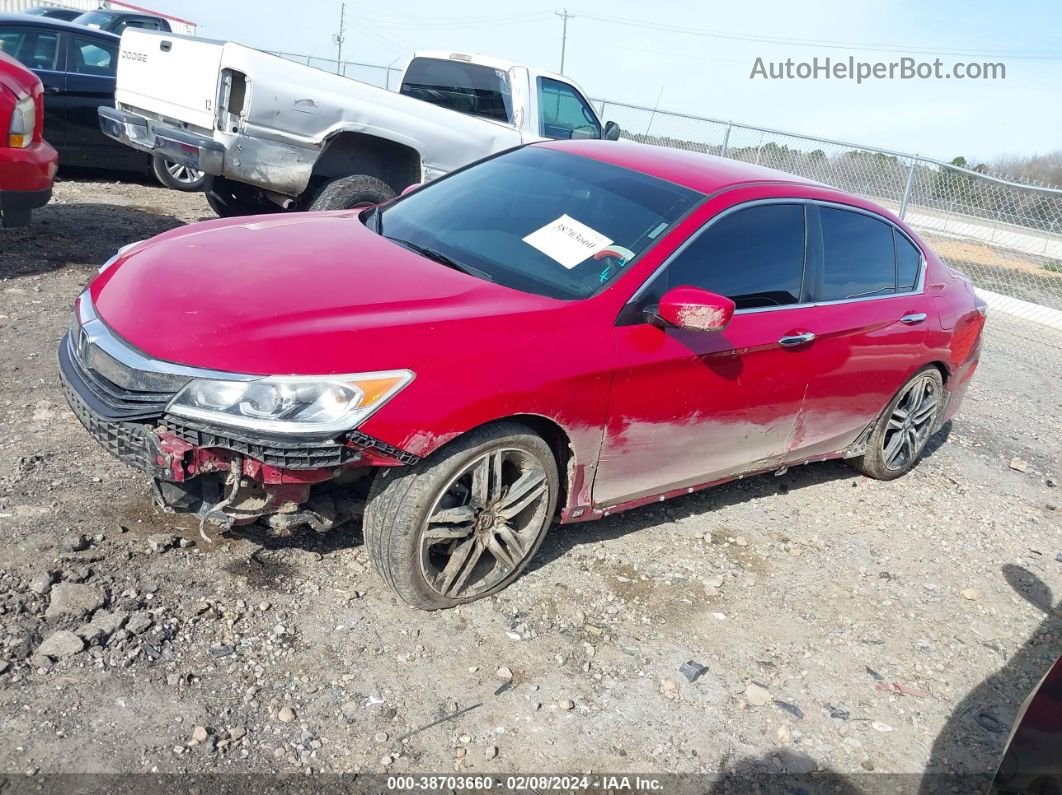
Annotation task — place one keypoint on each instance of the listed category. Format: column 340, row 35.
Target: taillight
column 23, row 122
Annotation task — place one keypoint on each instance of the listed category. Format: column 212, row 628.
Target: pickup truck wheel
column 463, row 523
column 178, row 177
column 229, row 199
column 346, row 193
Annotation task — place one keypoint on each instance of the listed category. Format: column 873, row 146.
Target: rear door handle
column 792, row 340
column 52, row 90
column 912, row 318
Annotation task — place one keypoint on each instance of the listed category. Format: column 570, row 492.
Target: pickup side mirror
column 612, row 131
column 692, row 309
column 411, row 188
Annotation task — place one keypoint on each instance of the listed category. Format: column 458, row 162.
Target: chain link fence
column 388, row 77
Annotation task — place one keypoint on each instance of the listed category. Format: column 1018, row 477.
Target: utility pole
column 339, row 38
column 564, row 15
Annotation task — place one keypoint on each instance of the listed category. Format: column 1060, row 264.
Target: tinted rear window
column 908, row 261
column 858, row 258
column 467, row 88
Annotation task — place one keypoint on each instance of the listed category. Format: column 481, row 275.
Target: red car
column 563, row 331
column 27, row 161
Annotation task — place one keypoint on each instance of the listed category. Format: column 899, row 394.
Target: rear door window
column 754, row 256
column 90, row 56
column 468, row 88
column 858, row 256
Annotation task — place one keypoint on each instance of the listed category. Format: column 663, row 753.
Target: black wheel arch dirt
column 347, row 153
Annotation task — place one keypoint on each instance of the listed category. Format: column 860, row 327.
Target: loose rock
column 1018, row 465
column 42, row 583
column 757, row 695
column 490, row 751
column 286, row 715
column 73, row 543
column 73, row 601
column 61, row 644
column 161, row 542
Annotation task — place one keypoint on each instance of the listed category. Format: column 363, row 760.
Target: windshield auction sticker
column 567, row 241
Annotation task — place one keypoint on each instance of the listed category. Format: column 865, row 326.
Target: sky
column 697, row 57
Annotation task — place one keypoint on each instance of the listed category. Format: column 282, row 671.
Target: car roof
column 56, row 24
column 700, row 172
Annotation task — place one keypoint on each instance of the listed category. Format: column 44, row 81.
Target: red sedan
column 560, row 332
column 27, row 161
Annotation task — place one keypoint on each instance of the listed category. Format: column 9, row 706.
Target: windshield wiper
column 442, row 259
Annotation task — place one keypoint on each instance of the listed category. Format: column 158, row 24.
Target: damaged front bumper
column 224, row 476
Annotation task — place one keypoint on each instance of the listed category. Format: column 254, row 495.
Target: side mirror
column 411, row 188
column 612, row 131
column 692, row 309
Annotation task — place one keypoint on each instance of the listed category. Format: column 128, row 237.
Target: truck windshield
column 538, row 220
column 456, row 85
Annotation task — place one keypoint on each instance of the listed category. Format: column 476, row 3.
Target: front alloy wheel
column 463, row 523
column 902, row 432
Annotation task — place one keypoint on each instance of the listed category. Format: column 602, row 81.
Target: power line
column 565, row 16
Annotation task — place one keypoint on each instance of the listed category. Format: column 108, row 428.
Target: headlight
column 119, row 253
column 290, row 404
column 23, row 121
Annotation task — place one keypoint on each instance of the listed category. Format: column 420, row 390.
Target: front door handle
column 792, row 340
column 912, row 318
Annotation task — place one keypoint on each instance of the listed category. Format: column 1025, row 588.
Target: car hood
column 311, row 293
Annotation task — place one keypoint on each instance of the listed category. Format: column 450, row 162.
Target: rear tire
column 177, row 177
column 230, row 199
column 902, row 432
column 347, row 193
column 463, row 523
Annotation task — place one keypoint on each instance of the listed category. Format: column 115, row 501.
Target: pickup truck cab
column 27, row 161
column 277, row 135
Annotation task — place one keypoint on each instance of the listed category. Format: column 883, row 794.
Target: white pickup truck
column 273, row 134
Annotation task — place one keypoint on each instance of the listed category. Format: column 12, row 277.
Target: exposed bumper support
column 179, row 146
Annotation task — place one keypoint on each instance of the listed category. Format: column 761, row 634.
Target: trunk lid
column 170, row 75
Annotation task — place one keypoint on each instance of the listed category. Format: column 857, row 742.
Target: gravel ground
column 842, row 624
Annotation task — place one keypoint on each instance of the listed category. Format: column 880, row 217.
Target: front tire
column 902, row 432
column 463, row 523
column 347, row 193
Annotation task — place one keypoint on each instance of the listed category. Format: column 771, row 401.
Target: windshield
column 539, row 220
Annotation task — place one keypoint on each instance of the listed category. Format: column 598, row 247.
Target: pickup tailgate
column 173, row 76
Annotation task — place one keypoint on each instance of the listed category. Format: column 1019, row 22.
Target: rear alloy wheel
column 903, row 430
column 463, row 525
column 348, row 193
column 177, row 176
